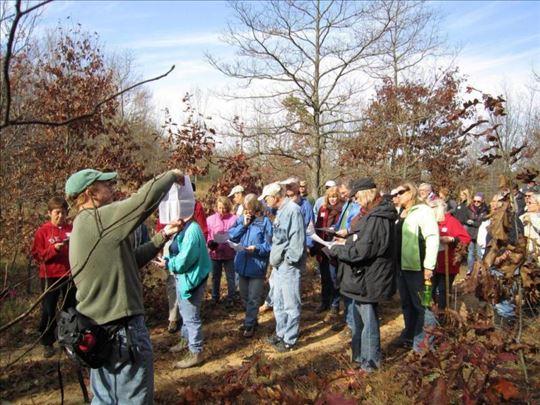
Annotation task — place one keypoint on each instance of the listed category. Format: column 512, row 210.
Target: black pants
column 47, row 324
column 439, row 288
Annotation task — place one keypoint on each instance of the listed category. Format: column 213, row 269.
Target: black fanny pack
column 85, row 342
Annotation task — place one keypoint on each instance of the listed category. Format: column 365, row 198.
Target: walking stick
column 446, row 276
column 83, row 385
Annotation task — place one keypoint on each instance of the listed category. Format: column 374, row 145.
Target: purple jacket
column 220, row 225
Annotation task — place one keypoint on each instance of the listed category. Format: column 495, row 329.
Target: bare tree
column 301, row 61
column 413, row 36
column 520, row 125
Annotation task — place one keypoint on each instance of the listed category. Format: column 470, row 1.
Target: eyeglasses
column 477, row 201
column 401, row 192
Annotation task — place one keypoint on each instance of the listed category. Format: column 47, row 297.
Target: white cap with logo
column 330, row 183
column 270, row 190
column 236, row 189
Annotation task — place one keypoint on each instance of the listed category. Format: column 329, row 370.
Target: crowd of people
column 368, row 243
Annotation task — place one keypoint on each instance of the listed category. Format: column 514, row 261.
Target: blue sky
column 499, row 40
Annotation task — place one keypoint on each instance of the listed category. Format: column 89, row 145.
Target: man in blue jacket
column 287, row 258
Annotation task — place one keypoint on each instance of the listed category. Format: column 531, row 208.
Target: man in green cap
column 105, row 270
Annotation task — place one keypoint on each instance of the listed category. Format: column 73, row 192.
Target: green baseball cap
column 78, row 182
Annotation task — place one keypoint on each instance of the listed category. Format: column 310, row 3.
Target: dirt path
column 320, row 350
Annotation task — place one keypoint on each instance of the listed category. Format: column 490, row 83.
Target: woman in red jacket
column 451, row 232
column 50, row 250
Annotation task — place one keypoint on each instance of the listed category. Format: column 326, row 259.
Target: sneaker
column 48, row 351
column 248, row 332
column 283, row 347
column 273, row 339
column 190, row 360
column 179, row 346
column 173, row 327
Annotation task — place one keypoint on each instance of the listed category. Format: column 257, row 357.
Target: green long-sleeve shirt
column 419, row 239
column 103, row 262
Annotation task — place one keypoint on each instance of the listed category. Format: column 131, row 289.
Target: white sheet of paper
column 237, row 247
column 317, row 239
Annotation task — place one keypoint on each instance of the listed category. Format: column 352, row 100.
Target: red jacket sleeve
column 200, row 218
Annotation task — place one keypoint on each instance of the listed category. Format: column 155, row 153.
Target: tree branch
column 9, row 122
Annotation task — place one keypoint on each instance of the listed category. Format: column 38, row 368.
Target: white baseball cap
column 290, row 180
column 270, row 190
column 236, row 189
column 330, row 183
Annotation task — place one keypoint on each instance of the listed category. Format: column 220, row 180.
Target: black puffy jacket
column 367, row 263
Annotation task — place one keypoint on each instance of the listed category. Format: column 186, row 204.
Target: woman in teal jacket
column 253, row 232
column 188, row 259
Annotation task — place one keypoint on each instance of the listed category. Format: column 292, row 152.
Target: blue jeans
column 505, row 309
column 366, row 338
column 121, row 381
column 348, row 311
column 190, row 310
column 329, row 292
column 217, row 268
column 287, row 302
column 475, row 253
column 411, row 288
column 251, row 291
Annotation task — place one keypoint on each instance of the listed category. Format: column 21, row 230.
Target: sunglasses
column 477, row 201
column 401, row 192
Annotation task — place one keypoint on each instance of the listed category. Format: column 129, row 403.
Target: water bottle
column 426, row 302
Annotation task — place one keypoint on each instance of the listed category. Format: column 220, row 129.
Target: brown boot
column 179, row 346
column 190, row 360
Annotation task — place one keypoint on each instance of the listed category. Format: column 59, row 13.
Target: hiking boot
column 248, row 332
column 243, row 327
column 48, row 351
column 273, row 339
column 190, row 360
column 179, row 346
column 173, row 327
column 283, row 347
